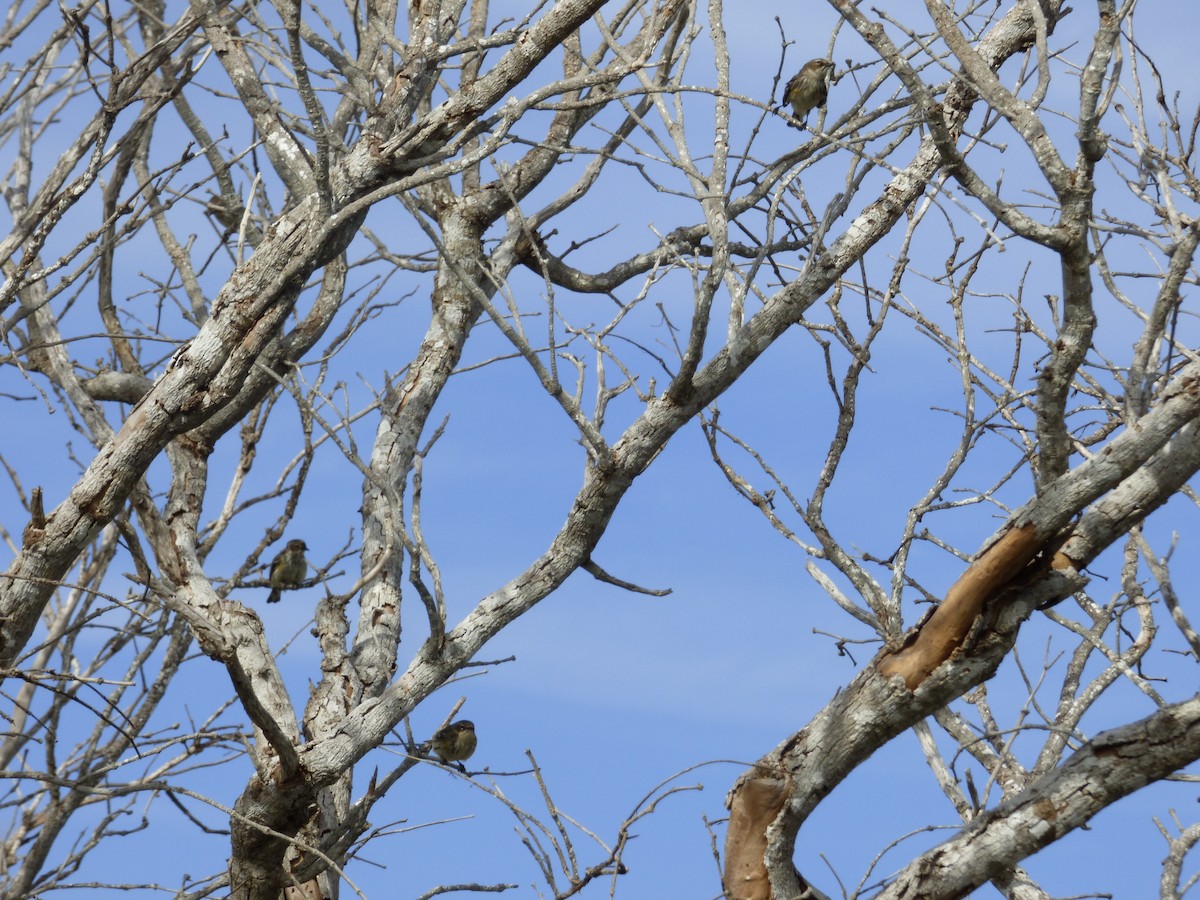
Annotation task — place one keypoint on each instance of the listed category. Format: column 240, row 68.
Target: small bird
column 455, row 742
column 288, row 569
column 808, row 88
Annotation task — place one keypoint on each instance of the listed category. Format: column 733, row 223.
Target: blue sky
column 615, row 693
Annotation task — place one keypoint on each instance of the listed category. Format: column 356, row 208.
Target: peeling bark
column 942, row 633
column 755, row 806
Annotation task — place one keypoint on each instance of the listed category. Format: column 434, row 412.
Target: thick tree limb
column 1112, row 765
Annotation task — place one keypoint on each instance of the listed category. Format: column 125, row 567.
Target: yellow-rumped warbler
column 808, row 88
column 288, row 568
column 455, row 742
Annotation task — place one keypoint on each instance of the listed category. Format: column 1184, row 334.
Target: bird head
column 823, row 67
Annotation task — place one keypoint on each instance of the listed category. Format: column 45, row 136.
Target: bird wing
column 787, row 88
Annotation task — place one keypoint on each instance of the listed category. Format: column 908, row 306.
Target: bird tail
column 274, row 596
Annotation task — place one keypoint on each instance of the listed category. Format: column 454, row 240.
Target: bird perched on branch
column 455, row 742
column 288, row 569
column 808, row 88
